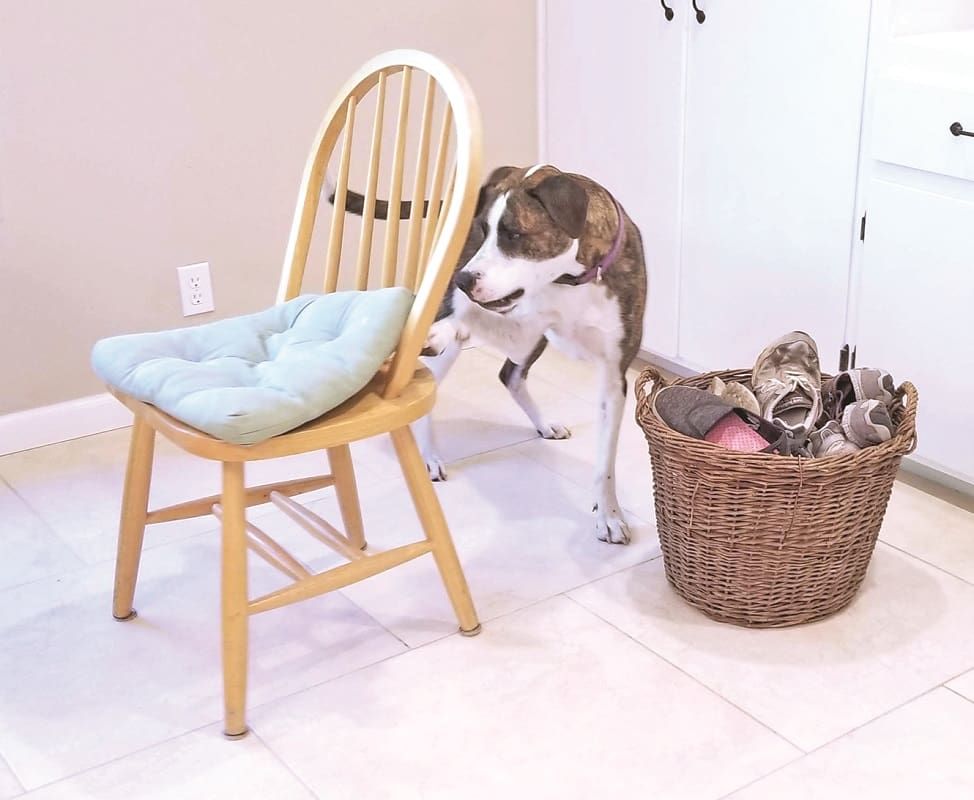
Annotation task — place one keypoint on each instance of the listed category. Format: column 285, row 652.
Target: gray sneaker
column 856, row 385
column 830, row 440
column 787, row 381
column 867, row 422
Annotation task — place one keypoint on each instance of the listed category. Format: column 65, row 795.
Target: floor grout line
column 486, row 622
column 86, row 565
column 40, row 518
column 924, row 561
column 120, row 757
column 695, row 679
column 9, row 767
column 960, row 674
column 961, row 696
column 840, row 737
column 628, row 508
column 360, row 668
column 377, row 621
column 280, row 760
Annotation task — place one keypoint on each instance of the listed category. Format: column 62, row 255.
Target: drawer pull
column 958, row 130
column 667, row 11
column 700, row 15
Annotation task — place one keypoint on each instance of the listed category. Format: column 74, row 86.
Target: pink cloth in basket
column 735, row 434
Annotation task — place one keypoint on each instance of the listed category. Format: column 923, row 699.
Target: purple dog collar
column 595, row 272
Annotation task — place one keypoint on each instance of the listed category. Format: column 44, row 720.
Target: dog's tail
column 355, row 202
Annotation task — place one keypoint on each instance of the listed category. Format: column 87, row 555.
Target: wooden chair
column 402, row 392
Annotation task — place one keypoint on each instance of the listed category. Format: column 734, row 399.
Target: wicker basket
column 767, row 540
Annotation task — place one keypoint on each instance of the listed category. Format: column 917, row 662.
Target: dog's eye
column 513, row 235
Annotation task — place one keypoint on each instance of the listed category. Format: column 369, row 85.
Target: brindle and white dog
column 550, row 257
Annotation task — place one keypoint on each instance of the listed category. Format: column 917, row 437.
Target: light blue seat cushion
column 248, row 378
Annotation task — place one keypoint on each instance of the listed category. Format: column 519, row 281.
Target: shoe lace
column 777, row 389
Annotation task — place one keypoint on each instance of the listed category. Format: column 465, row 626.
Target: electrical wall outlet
column 195, row 288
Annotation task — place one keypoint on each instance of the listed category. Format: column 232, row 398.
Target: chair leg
column 340, row 461
column 131, row 526
column 434, row 524
column 234, row 601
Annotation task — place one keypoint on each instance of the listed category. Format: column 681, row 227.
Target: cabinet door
column 916, row 296
column 613, row 80
column 774, row 108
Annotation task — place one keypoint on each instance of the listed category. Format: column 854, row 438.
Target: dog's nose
column 466, row 280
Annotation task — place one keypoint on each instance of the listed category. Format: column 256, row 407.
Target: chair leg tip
column 233, row 736
column 131, row 615
column 472, row 631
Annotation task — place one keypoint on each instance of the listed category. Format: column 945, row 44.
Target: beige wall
column 138, row 136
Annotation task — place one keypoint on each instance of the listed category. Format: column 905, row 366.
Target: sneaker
column 856, row 385
column 737, row 394
column 787, row 381
column 830, row 440
column 867, row 422
column 699, row 414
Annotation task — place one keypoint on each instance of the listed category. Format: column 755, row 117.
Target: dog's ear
column 488, row 190
column 565, row 201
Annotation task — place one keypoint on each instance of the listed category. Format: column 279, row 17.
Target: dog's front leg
column 442, row 348
column 514, row 375
column 610, row 526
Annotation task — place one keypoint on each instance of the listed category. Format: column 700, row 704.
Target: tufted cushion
column 248, row 378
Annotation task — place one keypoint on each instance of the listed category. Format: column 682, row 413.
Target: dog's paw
column 611, row 527
column 553, row 430
column 434, row 466
column 441, row 335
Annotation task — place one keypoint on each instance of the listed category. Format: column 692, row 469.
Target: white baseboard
column 939, row 474
column 674, row 365
column 36, row 427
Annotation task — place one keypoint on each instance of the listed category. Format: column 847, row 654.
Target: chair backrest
column 442, row 204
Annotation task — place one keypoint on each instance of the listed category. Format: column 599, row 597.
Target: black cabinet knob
column 958, row 130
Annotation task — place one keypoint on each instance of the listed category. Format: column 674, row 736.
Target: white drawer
column 911, row 126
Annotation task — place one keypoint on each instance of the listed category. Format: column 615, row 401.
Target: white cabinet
column 915, row 287
column 915, row 308
column 734, row 146
column 746, row 150
column 613, row 109
column 773, row 112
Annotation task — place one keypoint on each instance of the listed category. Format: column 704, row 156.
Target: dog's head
column 525, row 234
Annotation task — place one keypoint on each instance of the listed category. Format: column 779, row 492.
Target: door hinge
column 847, row 358
column 862, row 229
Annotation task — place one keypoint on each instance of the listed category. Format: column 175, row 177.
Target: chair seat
column 247, row 379
column 361, row 416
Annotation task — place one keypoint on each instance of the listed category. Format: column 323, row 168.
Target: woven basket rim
column 902, row 442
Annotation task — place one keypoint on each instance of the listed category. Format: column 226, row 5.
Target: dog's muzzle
column 504, row 304
column 466, row 281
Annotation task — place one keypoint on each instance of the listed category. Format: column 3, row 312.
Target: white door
column 915, row 304
column 613, row 80
column 774, row 106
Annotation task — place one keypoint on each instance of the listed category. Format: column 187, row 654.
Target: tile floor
column 591, row 677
